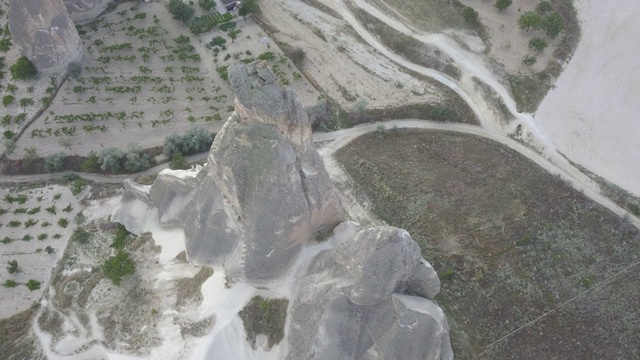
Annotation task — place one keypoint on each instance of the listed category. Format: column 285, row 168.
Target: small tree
column 74, row 69
column 110, row 159
column 207, row 4
column 249, row 7
column 118, row 266
column 92, row 163
column 553, row 25
column 180, row 10
column 172, row 144
column 544, row 7
column 538, row 44
column 136, row 160
column 23, row 69
column 178, row 162
column 470, row 16
column 529, row 20
column 54, row 162
column 529, row 60
column 196, row 140
column 13, row 267
column 503, row 4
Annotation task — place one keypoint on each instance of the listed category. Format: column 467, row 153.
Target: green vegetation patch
column 510, row 242
column 265, row 316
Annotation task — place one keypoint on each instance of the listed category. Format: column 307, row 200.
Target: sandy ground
column 592, row 113
column 33, row 261
column 339, row 62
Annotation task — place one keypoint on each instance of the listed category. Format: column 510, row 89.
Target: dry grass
column 510, row 242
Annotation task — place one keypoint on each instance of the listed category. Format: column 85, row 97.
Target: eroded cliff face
column 82, row 11
column 45, row 33
column 262, row 196
column 369, row 298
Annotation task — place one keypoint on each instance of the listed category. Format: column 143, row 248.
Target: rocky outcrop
column 82, row 11
column 45, row 33
column 369, row 298
column 264, row 192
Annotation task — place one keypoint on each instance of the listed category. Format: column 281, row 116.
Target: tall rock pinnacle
column 45, row 33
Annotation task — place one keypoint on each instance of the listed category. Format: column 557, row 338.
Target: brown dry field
column 516, row 248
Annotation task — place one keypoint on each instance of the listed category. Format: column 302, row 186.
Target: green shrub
column 13, row 267
column 92, row 163
column 55, row 162
column 77, row 186
column 136, row 160
column 249, row 7
column 8, row 100
column 120, row 240
column 23, row 69
column 205, row 23
column 544, row 7
column 33, row 285
column 529, row 60
column 207, row 4
column 217, row 41
column 538, row 44
column 223, row 71
column 529, row 20
column 195, row 140
column 63, row 222
column 180, row 10
column 553, row 25
column 470, row 15
column 269, row 55
column 227, row 26
column 110, row 159
column 9, row 283
column 118, row 266
column 503, row 4
column 178, row 162
column 24, row 102
column 81, row 236
column 5, row 44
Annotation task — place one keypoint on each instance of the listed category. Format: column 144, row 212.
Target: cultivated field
column 146, row 76
column 511, row 244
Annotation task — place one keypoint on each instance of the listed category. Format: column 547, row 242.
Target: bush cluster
column 195, row 140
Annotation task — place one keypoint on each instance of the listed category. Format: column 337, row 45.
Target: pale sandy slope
column 593, row 114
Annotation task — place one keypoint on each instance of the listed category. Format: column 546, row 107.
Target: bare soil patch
column 510, row 242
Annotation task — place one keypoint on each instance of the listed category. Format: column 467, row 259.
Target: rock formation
column 260, row 198
column 45, row 33
column 82, row 11
column 369, row 298
column 264, row 191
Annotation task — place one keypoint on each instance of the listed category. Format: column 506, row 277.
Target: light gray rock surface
column 369, row 298
column 45, row 33
column 264, row 192
column 82, row 11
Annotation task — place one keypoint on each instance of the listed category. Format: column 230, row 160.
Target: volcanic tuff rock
column 264, row 191
column 369, row 298
column 81, row 11
column 45, row 33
